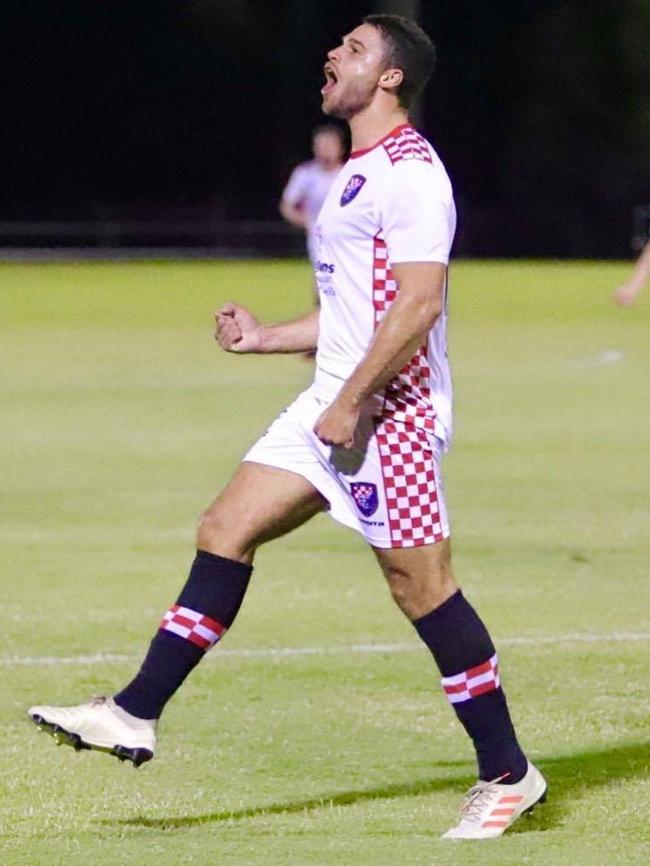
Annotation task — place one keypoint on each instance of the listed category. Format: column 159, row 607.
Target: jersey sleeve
column 294, row 191
column 416, row 213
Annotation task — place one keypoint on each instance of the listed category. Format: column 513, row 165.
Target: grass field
column 120, row 421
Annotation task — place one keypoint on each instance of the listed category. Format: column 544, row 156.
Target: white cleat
column 99, row 724
column 490, row 808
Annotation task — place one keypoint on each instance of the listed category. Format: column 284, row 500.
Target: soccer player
column 626, row 294
column 363, row 442
column 304, row 194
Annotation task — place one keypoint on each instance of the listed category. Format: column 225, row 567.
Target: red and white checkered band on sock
column 473, row 682
column 193, row 626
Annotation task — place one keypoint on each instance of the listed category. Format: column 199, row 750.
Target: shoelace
column 97, row 700
column 478, row 798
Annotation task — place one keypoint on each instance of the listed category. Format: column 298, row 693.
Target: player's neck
column 370, row 126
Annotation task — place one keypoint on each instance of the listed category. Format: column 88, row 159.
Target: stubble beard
column 351, row 102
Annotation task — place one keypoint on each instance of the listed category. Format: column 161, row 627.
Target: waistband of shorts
column 326, row 386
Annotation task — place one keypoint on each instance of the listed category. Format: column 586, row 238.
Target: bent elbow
column 431, row 310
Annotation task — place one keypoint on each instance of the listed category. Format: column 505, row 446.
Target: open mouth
column 331, row 80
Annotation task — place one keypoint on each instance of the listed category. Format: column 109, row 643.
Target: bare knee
column 418, row 587
column 415, row 598
column 219, row 534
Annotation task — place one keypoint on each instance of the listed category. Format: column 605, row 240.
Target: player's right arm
column 626, row 294
column 292, row 199
column 239, row 331
column 293, row 214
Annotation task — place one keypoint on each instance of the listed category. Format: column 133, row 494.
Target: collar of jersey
column 398, row 129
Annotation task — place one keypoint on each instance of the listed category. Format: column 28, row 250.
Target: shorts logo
column 352, row 189
column 365, row 495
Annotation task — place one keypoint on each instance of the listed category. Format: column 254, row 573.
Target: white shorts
column 388, row 487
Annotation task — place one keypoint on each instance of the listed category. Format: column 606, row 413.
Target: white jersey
column 390, row 203
column 307, row 188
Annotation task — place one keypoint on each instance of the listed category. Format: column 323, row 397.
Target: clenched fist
column 237, row 329
column 336, row 425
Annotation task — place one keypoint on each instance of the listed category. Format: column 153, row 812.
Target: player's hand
column 237, row 329
column 625, row 294
column 336, row 425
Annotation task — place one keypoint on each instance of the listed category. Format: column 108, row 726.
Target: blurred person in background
column 310, row 182
column 626, row 294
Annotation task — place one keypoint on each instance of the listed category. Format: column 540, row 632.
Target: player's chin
column 330, row 105
column 326, row 105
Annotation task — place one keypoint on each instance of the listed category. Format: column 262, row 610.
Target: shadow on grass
column 569, row 777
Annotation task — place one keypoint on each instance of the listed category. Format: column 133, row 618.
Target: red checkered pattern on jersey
column 410, row 486
column 384, row 289
column 407, row 397
column 193, row 626
column 407, row 144
column 473, row 682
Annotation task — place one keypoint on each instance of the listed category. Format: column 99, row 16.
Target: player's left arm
column 402, row 331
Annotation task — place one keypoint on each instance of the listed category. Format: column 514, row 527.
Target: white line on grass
column 604, row 359
column 294, row 652
column 587, row 362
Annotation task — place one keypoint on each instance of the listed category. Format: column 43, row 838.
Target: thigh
column 259, row 503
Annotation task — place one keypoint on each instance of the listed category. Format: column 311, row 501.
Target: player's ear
column 390, row 79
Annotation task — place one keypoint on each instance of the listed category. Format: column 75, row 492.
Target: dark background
column 541, row 111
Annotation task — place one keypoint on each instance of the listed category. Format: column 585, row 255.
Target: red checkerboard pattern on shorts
column 407, row 397
column 193, row 626
column 407, row 144
column 473, row 682
column 410, row 487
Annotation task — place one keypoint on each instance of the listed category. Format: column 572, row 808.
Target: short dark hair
column 407, row 48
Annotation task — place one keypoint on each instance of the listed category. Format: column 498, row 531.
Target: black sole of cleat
column 136, row 756
column 67, row 738
column 542, row 800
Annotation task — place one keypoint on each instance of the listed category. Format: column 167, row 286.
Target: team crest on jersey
column 365, row 495
column 352, row 189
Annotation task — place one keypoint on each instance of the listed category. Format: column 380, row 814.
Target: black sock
column 463, row 650
column 206, row 607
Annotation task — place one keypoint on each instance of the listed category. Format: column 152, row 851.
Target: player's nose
column 333, row 54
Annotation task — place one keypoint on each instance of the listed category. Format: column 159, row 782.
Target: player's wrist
column 264, row 340
column 349, row 399
column 272, row 339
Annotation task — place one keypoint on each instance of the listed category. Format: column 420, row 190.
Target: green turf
column 121, row 419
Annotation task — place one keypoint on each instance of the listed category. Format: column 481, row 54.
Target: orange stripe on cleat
column 511, row 799
column 494, row 824
column 496, row 812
